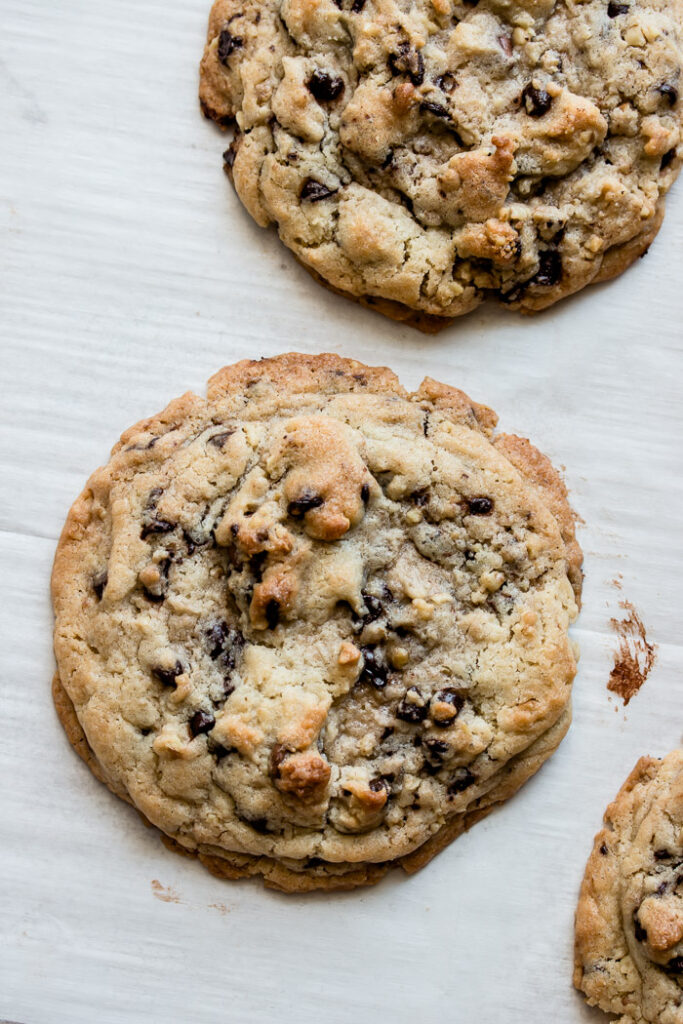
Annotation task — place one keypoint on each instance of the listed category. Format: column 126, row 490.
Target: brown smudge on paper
column 164, row 892
column 634, row 657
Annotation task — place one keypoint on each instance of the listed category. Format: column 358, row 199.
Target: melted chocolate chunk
column 437, row 750
column 663, row 855
column 447, row 82
column 99, row 582
column 379, row 784
column 412, row 711
column 669, row 93
column 272, row 613
column 603, row 850
column 549, row 268
column 462, row 779
column 374, row 607
column 667, row 159
column 357, row 6
column 227, row 44
column 387, row 732
column 201, row 721
column 168, row 676
column 675, row 965
column 218, row 440
column 375, row 669
column 365, row 493
column 256, row 563
column 153, row 497
column 259, row 825
column 614, row 8
column 408, row 61
column 300, row 506
column 480, row 506
column 154, row 526
column 219, row 751
column 437, row 109
column 229, row 155
column 639, row 931
column 324, row 86
column 536, row 102
column 314, row 191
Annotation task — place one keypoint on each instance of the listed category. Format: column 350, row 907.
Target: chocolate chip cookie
column 313, row 625
column 629, row 922
column 420, row 157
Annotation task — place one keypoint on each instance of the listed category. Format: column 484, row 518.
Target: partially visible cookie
column 629, row 922
column 313, row 625
column 420, row 157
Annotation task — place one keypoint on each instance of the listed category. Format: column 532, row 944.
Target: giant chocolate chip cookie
column 419, row 156
column 629, row 922
column 314, row 625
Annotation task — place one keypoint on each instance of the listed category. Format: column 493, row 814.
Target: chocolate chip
column 259, row 825
column 314, row 862
column 639, row 931
column 217, row 635
column 218, row 440
column 420, row 497
column 256, row 563
column 167, row 676
column 375, row 670
column 414, row 710
column 614, row 8
column 436, row 749
column 153, row 497
column 549, row 268
column 373, row 605
column 437, row 109
column 229, row 155
column 455, row 702
column 603, row 850
column 666, row 159
column 227, row 44
column 324, row 86
column 447, row 82
column 156, row 526
column 272, row 613
column 357, row 6
column 314, row 191
column 365, row 493
column 669, row 93
column 675, row 965
column 536, row 102
column 307, row 501
column 480, row 506
column 379, row 784
column 99, row 582
column 219, row 751
column 201, row 722
column 462, row 779
column 387, row 732
column 408, row 61
column 663, row 855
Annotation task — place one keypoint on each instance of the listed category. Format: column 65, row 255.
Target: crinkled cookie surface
column 312, row 623
column 629, row 922
column 421, row 155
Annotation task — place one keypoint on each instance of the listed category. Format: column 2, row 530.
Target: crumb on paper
column 164, row 892
column 616, row 582
column 634, row 657
column 220, row 907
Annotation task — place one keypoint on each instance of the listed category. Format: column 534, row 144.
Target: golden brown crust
column 541, row 474
column 276, row 387
column 333, row 877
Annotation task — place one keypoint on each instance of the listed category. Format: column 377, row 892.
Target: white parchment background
column 129, row 274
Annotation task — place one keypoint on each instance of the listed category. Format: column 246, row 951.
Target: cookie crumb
column 634, row 657
column 164, row 892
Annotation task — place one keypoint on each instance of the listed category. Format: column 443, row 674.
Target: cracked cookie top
column 312, row 615
column 422, row 155
column 629, row 923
